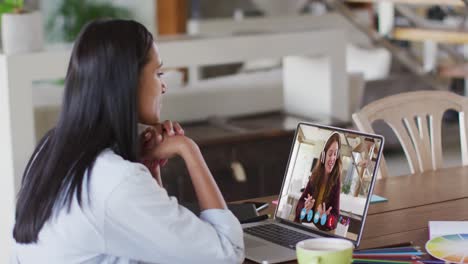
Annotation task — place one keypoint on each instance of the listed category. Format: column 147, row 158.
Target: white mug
column 324, row 251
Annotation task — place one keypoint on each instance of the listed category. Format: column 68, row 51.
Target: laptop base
column 262, row 251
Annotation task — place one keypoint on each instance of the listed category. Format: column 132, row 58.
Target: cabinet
column 260, row 144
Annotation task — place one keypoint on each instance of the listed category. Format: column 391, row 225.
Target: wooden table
column 413, row 200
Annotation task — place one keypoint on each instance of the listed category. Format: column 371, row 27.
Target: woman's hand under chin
column 152, row 138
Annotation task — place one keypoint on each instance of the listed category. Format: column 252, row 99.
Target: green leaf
column 74, row 14
column 14, row 3
column 6, row 8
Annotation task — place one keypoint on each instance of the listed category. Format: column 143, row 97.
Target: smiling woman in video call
column 92, row 191
column 322, row 192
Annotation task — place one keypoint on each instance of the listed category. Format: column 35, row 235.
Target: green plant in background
column 346, row 188
column 11, row 6
column 72, row 15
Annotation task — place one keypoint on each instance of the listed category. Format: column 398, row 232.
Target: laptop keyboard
column 277, row 234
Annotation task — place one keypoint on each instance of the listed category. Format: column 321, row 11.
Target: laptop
column 326, row 192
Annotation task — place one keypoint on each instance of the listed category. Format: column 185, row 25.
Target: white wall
column 302, row 168
column 7, row 190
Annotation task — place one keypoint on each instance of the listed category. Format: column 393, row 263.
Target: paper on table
column 377, row 199
column 441, row 228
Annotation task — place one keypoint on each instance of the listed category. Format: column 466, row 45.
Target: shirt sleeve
column 143, row 223
column 336, row 203
column 301, row 202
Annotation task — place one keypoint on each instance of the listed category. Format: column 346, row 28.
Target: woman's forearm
column 206, row 189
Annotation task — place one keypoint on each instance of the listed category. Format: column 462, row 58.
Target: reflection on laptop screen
column 328, row 179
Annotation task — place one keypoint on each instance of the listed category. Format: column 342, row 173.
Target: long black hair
column 99, row 111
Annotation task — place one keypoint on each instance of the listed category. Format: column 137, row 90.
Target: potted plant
column 21, row 30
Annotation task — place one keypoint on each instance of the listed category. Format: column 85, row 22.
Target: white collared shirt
column 129, row 218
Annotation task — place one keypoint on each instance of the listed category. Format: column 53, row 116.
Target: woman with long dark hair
column 322, row 192
column 85, row 196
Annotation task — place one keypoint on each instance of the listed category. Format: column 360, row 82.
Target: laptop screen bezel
column 371, row 188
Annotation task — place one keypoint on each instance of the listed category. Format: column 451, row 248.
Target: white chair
column 416, row 119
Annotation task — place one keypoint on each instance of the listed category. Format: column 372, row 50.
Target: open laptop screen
column 329, row 180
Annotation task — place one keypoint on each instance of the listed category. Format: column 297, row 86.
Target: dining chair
column 416, row 120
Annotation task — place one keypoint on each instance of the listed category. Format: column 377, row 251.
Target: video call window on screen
column 328, row 180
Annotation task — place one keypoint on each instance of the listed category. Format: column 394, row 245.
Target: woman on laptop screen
column 320, row 200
